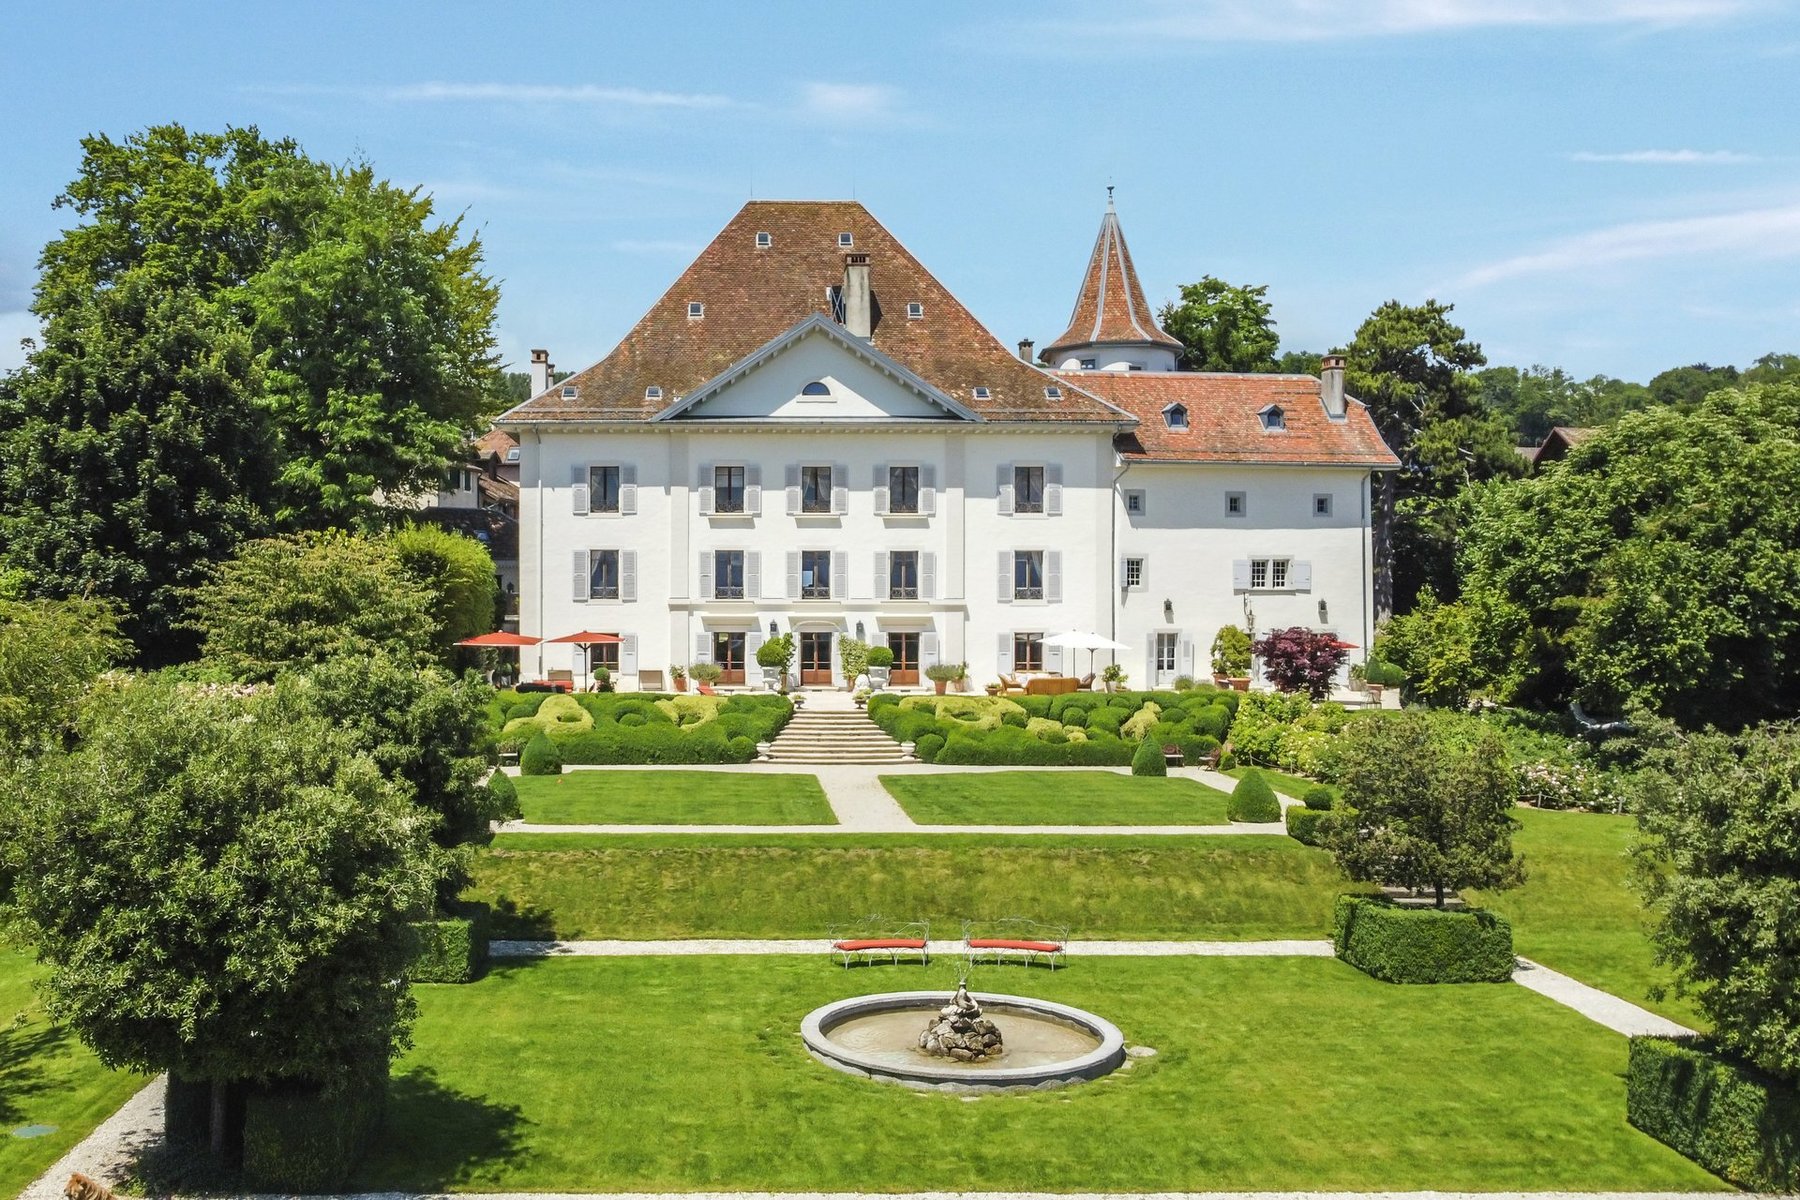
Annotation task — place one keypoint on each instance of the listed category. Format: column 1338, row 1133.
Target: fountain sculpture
column 960, row 1031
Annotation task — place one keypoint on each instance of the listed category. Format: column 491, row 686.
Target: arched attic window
column 1176, row 416
column 815, row 388
column 1273, row 418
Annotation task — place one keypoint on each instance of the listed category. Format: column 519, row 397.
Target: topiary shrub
column 505, row 794
column 633, row 719
column 301, row 1138
column 1148, row 759
column 1319, row 797
column 1422, row 945
column 1075, row 718
column 742, row 749
column 540, row 757
column 1105, row 720
column 451, row 949
column 1253, row 800
column 1139, row 725
column 929, row 747
column 1016, row 717
column 1737, row 1122
column 1303, row 824
column 1228, row 762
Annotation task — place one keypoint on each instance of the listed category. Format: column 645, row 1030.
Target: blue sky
column 1606, row 185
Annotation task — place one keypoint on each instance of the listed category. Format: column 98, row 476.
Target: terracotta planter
column 1241, row 685
column 681, row 685
column 942, row 685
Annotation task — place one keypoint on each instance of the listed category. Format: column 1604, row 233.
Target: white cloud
column 849, row 103
column 1755, row 234
column 1679, row 158
column 438, row 91
column 1314, row 20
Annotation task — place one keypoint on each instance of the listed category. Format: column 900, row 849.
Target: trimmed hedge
column 1078, row 729
column 1149, row 760
column 1733, row 1120
column 1422, row 945
column 451, row 949
column 1303, row 824
column 540, row 757
column 299, row 1138
column 505, row 793
column 1253, row 800
column 1319, row 797
column 595, row 728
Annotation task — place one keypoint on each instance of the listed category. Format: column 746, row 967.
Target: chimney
column 1331, row 385
column 540, row 372
column 1025, row 345
column 859, row 315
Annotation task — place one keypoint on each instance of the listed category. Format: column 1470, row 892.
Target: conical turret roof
column 1110, row 308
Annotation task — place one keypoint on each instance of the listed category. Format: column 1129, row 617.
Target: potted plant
column 961, row 677
column 993, row 689
column 853, row 656
column 602, row 679
column 678, row 677
column 775, row 656
column 706, row 672
column 1231, row 658
column 941, row 674
column 881, row 662
column 1112, row 675
column 862, row 697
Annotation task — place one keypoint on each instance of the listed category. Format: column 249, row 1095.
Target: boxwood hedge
column 1422, row 945
column 298, row 1138
column 637, row 727
column 1253, row 800
column 451, row 949
column 1303, row 824
column 1079, row 729
column 1733, row 1120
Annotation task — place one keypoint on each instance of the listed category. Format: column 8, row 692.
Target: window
column 903, row 490
column 815, row 574
column 1134, row 572
column 728, row 574
column 603, row 489
column 653, row 392
column 696, row 309
column 1273, row 418
column 603, row 575
column 914, row 310
column 1259, row 572
column 1269, row 573
column 728, row 489
column 1175, row 416
column 1134, row 502
column 1322, row 504
column 1278, row 572
column 764, row 241
column 570, row 391
column 815, row 489
column 1028, row 652
column 1235, row 504
column 1028, row 489
column 1028, row 575
column 903, row 575
column 603, row 656
column 1165, row 654
column 512, row 455
column 1088, row 364
column 981, row 393
column 846, row 241
column 816, row 388
column 1053, row 393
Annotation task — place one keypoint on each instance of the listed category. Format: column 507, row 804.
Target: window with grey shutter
column 752, row 643
column 704, row 488
column 728, row 489
column 605, row 481
column 927, row 575
column 881, row 489
column 1053, row 576
column 840, row 489
column 903, row 491
column 1240, row 575
column 793, row 575
column 1053, row 490
column 1006, row 654
column 1028, row 489
column 578, row 489
column 753, row 575
column 1300, row 575
column 883, row 577
column 1005, row 592
column 1187, row 656
column 1005, row 492
column 793, row 489
column 927, row 490
column 628, row 575
column 753, row 490
column 628, row 654
column 628, row 490
column 582, row 579
column 840, row 574
column 706, row 575
column 702, row 647
column 928, row 650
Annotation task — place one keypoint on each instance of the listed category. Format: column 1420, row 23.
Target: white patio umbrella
column 1075, row 639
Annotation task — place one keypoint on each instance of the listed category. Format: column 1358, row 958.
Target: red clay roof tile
column 1110, row 307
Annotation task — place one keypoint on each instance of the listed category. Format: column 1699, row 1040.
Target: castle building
column 808, row 433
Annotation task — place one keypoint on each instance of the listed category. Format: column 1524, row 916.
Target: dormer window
column 1088, row 364
column 512, row 455
column 764, row 241
column 570, row 391
column 980, row 393
column 1273, row 419
column 1053, row 393
column 1175, row 416
column 696, row 310
column 914, row 310
column 653, row 392
column 845, row 241
column 815, row 388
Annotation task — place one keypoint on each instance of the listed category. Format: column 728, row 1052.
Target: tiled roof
column 500, row 491
column 1223, row 421
column 752, row 295
column 1110, row 306
column 495, row 441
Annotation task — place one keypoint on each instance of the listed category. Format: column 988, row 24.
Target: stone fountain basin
column 922, row 1071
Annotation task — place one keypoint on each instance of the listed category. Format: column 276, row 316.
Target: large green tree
column 51, row 652
column 457, row 571
column 1537, row 399
column 237, row 340
column 1224, row 327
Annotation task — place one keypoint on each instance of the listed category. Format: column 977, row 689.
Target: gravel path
column 107, row 1153
column 627, row 949
column 1621, row 1016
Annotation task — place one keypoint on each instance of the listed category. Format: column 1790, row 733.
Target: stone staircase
column 833, row 737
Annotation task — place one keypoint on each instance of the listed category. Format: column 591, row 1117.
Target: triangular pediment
column 816, row 371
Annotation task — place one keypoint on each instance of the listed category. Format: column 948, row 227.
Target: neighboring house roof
column 753, row 295
column 1110, row 306
column 1223, row 424
column 495, row 442
column 1528, row 453
column 499, row 491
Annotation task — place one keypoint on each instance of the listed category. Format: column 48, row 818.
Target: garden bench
column 1172, row 755
column 1019, row 940
column 860, row 943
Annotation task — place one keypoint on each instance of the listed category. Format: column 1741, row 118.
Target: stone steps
column 833, row 738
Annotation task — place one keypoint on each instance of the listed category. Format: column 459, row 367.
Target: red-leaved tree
column 1299, row 660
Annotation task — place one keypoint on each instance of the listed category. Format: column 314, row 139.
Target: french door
column 1165, row 659
column 728, row 653
column 906, row 657
column 815, row 659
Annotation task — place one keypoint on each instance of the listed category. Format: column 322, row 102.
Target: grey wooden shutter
column 884, row 581
column 1053, row 490
column 793, row 574
column 1124, row 579
column 578, row 489
column 1006, row 577
column 881, row 489
column 706, row 575
column 1005, row 490
column 1053, row 659
column 1053, row 576
column 752, row 643
column 702, row 647
column 1300, row 576
column 628, row 489
column 1144, row 573
column 840, row 489
column 1150, row 661
column 628, row 574
column 1187, row 656
column 793, row 491
column 928, row 490
column 1240, row 574
column 1006, row 651
column 705, row 488
column 928, row 651
column 928, row 575
column 753, row 575
column 753, row 490
column 628, row 654
column 583, row 582
column 840, row 574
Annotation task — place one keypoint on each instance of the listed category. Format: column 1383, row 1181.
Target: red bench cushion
column 1006, row 944
column 881, row 944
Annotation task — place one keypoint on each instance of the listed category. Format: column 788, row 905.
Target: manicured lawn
column 798, row 885
column 1055, row 798
column 1288, row 785
column 46, row 1078
column 673, row 798
column 673, row 1074
column 1577, row 911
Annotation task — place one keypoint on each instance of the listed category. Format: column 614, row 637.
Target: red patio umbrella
column 500, row 639
column 588, row 638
